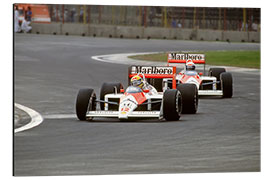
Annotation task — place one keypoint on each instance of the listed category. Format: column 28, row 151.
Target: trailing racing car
column 217, row 83
column 134, row 102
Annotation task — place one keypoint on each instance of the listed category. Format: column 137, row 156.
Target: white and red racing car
column 134, row 102
column 217, row 83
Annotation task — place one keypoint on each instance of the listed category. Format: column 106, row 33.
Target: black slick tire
column 85, row 102
column 216, row 73
column 226, row 84
column 190, row 98
column 172, row 105
column 157, row 83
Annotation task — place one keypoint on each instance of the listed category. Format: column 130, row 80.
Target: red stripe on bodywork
column 185, row 78
column 139, row 97
column 184, row 61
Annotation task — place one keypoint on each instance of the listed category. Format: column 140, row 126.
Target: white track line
column 123, row 58
column 36, row 118
column 59, row 116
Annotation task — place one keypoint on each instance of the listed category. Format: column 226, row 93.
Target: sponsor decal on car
column 186, row 56
column 151, row 70
column 102, row 112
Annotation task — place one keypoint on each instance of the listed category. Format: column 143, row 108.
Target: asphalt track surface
column 224, row 136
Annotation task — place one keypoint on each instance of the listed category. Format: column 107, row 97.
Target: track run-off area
column 224, row 136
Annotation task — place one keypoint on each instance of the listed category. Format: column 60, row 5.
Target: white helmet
column 190, row 66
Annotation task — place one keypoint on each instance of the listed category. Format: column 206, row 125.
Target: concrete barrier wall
column 156, row 33
column 129, row 32
column 102, row 30
column 210, row 35
column 141, row 32
column 236, row 36
column 80, row 29
column 53, row 28
column 254, row 37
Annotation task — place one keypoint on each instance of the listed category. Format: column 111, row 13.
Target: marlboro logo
column 151, row 70
column 175, row 56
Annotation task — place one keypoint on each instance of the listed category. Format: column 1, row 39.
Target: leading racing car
column 134, row 102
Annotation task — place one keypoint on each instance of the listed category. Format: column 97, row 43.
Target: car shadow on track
column 210, row 97
column 114, row 120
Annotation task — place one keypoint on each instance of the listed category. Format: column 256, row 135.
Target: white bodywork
column 213, row 92
column 127, row 106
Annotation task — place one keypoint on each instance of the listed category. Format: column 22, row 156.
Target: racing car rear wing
column 154, row 72
column 183, row 58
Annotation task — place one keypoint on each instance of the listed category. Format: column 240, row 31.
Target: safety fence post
column 57, row 17
column 113, row 15
column 219, row 18
column 183, row 17
column 244, row 19
column 225, row 20
column 99, row 14
column 84, row 14
column 63, row 14
column 165, row 17
column 89, row 14
column 194, row 18
column 204, row 26
column 145, row 16
column 250, row 19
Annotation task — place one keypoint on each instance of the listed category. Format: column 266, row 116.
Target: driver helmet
column 190, row 66
column 136, row 81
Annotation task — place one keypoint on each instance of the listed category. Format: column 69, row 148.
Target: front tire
column 172, row 105
column 190, row 98
column 216, row 73
column 85, row 102
column 226, row 84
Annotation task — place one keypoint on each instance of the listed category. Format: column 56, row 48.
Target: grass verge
column 248, row 59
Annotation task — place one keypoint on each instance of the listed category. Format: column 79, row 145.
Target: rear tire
column 109, row 88
column 85, row 102
column 216, row 73
column 226, row 84
column 172, row 105
column 190, row 98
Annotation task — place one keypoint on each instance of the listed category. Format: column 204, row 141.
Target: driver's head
column 190, row 66
column 136, row 81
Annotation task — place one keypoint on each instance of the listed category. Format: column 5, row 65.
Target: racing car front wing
column 210, row 92
column 139, row 114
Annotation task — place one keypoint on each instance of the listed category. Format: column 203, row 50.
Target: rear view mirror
column 146, row 90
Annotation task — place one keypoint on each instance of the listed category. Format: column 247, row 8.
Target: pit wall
column 112, row 31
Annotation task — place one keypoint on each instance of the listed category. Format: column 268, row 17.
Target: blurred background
column 186, row 23
column 154, row 16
